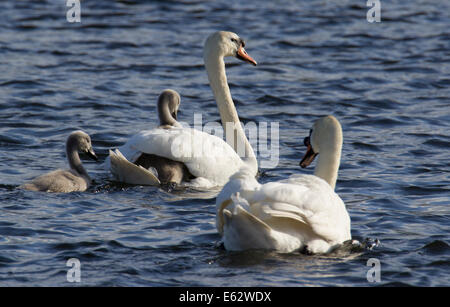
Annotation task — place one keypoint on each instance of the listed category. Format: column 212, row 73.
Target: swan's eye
column 238, row 41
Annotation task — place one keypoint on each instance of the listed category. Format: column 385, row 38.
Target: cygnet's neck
column 165, row 118
column 74, row 158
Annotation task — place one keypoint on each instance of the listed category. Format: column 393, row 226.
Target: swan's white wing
column 307, row 199
column 205, row 155
column 239, row 223
column 242, row 182
column 242, row 230
column 274, row 199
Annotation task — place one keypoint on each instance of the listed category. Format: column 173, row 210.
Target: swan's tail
column 127, row 172
column 240, row 229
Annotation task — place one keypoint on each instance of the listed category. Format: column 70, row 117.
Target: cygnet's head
column 168, row 105
column 82, row 142
column 224, row 44
column 324, row 137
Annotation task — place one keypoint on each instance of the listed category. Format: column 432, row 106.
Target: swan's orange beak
column 244, row 56
column 309, row 155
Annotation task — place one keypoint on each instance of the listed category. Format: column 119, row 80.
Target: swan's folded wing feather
column 267, row 211
column 305, row 200
column 241, row 229
column 203, row 154
column 127, row 172
column 242, row 184
column 306, row 195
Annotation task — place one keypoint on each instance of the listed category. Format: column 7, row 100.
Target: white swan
column 73, row 179
column 209, row 159
column 300, row 213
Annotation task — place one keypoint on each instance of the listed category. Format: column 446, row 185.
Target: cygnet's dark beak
column 91, row 154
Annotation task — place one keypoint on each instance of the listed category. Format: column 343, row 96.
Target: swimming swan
column 167, row 171
column 208, row 158
column 73, row 179
column 300, row 213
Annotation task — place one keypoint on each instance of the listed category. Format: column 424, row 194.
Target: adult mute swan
column 74, row 179
column 300, row 213
column 210, row 160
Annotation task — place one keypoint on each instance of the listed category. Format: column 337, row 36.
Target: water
column 388, row 84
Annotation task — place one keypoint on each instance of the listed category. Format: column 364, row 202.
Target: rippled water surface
column 388, row 84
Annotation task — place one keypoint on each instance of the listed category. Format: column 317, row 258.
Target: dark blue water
column 388, row 84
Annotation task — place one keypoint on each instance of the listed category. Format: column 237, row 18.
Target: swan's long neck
column 165, row 118
column 328, row 165
column 74, row 158
column 215, row 67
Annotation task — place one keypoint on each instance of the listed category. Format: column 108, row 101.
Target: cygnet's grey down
column 169, row 171
column 74, row 179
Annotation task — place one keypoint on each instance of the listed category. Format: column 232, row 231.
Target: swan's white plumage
column 284, row 216
column 125, row 171
column 206, row 156
column 300, row 212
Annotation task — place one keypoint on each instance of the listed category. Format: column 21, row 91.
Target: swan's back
column 309, row 200
column 205, row 155
column 59, row 181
